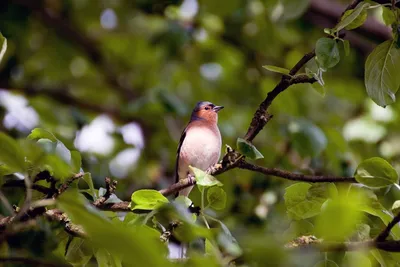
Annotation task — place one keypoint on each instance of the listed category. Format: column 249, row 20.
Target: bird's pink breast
column 201, row 149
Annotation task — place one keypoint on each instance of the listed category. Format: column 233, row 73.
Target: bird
column 199, row 147
column 200, row 142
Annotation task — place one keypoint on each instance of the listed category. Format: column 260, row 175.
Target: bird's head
column 205, row 110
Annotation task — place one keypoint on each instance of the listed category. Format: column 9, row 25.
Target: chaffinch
column 200, row 147
column 200, row 142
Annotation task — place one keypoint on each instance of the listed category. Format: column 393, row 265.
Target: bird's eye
column 207, row 108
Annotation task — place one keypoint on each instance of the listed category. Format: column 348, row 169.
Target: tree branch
column 261, row 117
column 21, row 183
column 311, row 242
column 231, row 159
column 296, row 176
column 60, row 217
column 386, row 232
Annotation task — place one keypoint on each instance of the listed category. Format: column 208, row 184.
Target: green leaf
column 228, row 241
column 33, row 152
column 47, row 145
column 357, row 259
column 276, row 69
column 358, row 21
column 247, row 149
column 209, row 247
column 184, row 200
column 4, row 170
column 396, row 206
column 216, row 198
column 51, row 145
column 87, row 177
column 328, row 31
column 204, row 179
column 299, row 228
column 11, row 153
column 133, row 219
column 363, row 232
column 178, row 210
column 388, row 15
column 3, row 45
column 57, row 167
column 320, row 89
column 230, row 246
column 346, row 46
column 39, row 133
column 79, row 252
column 327, row 53
column 147, row 199
column 197, row 260
column 106, row 259
column 326, row 263
column 374, row 207
column 313, row 70
column 307, row 139
column 351, row 16
column 377, row 255
column 381, row 73
column 188, row 232
column 338, row 218
column 76, row 161
column 134, row 245
column 304, row 200
column 376, row 172
column 63, row 152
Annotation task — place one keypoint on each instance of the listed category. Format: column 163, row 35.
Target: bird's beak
column 217, row 108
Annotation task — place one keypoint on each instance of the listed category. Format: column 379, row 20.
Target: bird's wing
column 183, row 135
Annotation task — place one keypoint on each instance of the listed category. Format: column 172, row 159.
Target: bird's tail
column 177, row 250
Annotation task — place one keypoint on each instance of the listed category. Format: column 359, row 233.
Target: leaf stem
column 205, row 221
column 202, row 208
column 148, row 216
column 397, row 186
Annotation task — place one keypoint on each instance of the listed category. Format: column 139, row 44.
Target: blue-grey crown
column 201, row 104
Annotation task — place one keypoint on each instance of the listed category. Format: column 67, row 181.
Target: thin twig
column 331, row 11
column 28, row 197
column 67, row 183
column 351, row 6
column 110, row 188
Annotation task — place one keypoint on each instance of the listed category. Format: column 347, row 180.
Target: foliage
column 149, row 62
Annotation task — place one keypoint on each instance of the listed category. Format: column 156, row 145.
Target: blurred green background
column 117, row 80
